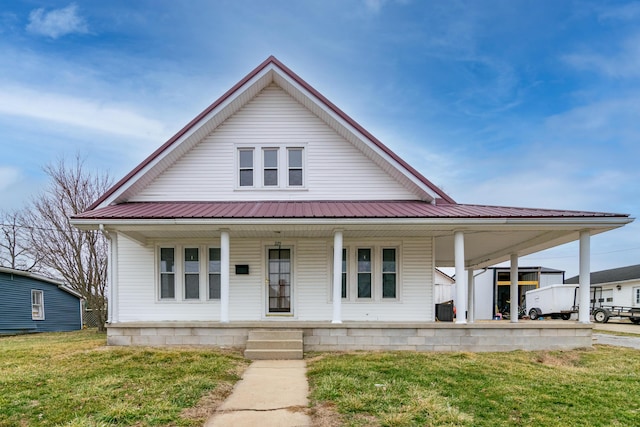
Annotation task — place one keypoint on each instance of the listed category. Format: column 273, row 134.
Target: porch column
column 461, row 279
column 514, row 289
column 584, row 314
column 224, row 276
column 470, row 296
column 337, row 277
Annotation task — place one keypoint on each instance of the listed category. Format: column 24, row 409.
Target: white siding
column 246, row 293
column 313, row 273
column 208, row 171
column 136, row 281
column 312, row 284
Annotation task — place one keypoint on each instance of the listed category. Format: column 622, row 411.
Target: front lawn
column 598, row 387
column 73, row 379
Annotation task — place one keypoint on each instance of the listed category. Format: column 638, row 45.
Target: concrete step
column 274, row 334
column 274, row 344
column 264, row 344
column 272, row 354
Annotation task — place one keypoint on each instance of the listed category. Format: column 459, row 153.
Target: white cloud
column 85, row 113
column 57, row 23
column 615, row 120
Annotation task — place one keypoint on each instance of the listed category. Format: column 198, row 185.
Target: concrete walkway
column 270, row 393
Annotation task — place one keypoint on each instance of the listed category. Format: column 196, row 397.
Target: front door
column 279, row 281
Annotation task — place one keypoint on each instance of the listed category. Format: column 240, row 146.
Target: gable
column 270, row 71
column 274, row 120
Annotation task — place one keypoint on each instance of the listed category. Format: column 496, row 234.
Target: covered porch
column 458, row 240
column 423, row 235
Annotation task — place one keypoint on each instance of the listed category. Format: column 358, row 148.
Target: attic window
column 295, row 167
column 270, row 160
column 246, row 167
column 270, row 167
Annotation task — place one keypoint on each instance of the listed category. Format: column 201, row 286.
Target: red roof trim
column 235, row 88
column 323, row 209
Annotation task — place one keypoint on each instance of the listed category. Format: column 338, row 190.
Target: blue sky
column 515, row 103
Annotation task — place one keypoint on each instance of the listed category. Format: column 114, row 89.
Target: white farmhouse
column 273, row 209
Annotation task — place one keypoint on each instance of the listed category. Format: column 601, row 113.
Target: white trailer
column 559, row 300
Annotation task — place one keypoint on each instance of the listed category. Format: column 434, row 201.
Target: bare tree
column 14, row 248
column 79, row 257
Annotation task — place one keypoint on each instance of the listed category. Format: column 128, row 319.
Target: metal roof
column 323, row 209
column 620, row 274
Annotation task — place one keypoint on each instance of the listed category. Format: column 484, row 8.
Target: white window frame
column 160, row 272
column 240, row 168
column 37, row 309
column 179, row 272
column 345, row 273
column 636, row 296
column 376, row 272
column 186, row 273
column 302, row 167
column 266, row 168
column 283, row 166
column 370, row 272
column 382, row 272
column 209, row 273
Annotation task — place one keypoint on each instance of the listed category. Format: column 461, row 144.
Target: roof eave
column 460, row 223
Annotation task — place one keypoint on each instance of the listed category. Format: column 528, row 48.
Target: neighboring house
column 617, row 286
column 32, row 303
column 492, row 287
column 273, row 208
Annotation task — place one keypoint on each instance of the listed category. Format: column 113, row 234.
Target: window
column 344, row 272
column 214, row 273
column 37, row 305
column 370, row 274
column 389, row 273
column 636, row 296
column 364, row 273
column 246, row 167
column 270, row 165
column 191, row 273
column 167, row 273
column 275, row 166
column 295, row 167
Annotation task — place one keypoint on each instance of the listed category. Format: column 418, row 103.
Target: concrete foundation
column 370, row 336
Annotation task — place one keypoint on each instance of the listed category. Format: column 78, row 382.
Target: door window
column 279, row 280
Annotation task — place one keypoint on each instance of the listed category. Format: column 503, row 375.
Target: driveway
column 617, row 340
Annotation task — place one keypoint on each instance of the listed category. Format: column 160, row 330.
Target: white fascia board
column 361, row 137
column 188, row 134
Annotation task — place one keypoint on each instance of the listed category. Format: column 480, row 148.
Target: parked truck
column 554, row 300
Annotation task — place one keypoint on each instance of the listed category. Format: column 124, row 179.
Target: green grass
column 72, row 379
column 575, row 388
